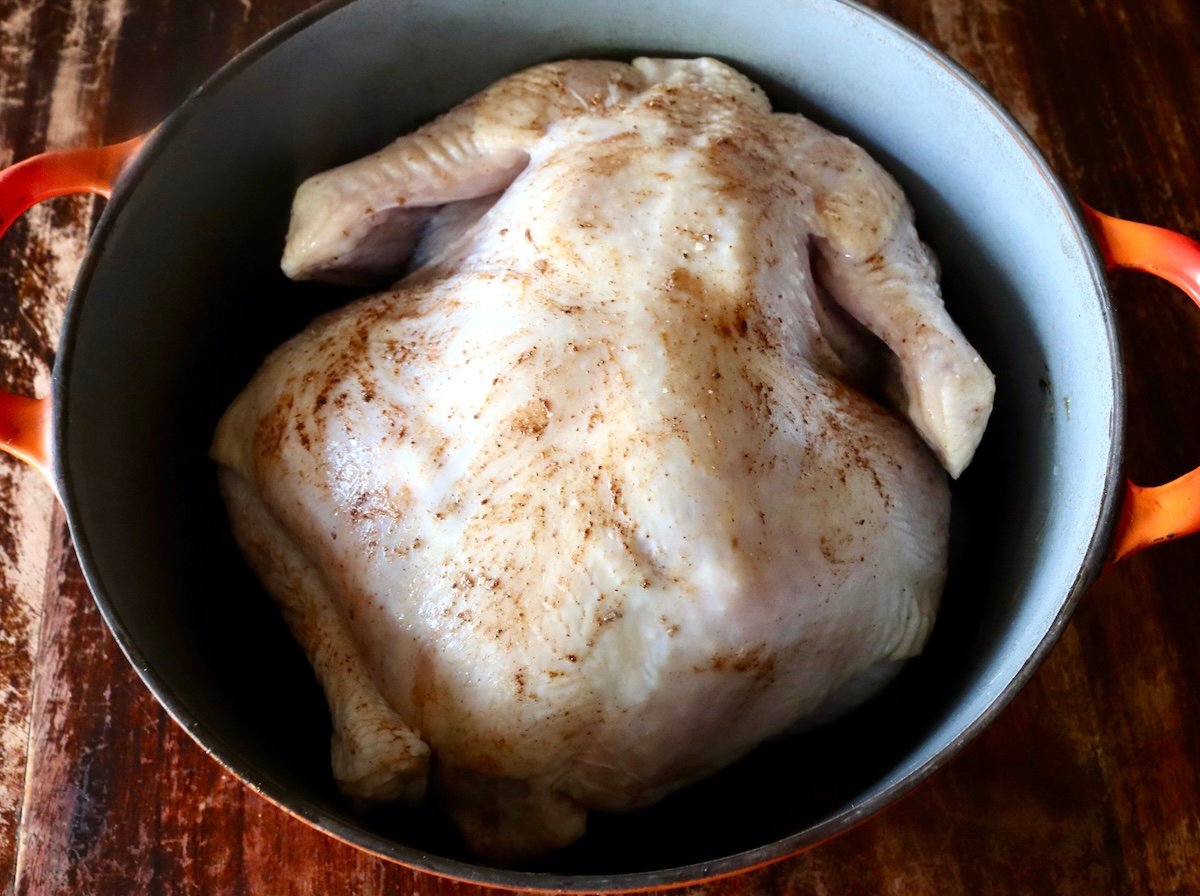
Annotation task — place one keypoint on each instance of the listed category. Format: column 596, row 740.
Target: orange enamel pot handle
column 1152, row 514
column 25, row 422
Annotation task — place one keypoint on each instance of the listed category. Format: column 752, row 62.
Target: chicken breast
column 594, row 499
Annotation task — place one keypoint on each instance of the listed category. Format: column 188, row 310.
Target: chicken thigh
column 594, row 499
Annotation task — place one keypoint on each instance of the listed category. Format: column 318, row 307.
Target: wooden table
column 1088, row 783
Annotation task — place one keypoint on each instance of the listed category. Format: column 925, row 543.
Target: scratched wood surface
column 1088, row 783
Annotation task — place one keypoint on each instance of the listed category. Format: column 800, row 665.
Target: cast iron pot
column 180, row 297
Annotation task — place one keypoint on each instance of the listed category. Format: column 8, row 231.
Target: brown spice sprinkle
column 272, row 426
column 532, row 418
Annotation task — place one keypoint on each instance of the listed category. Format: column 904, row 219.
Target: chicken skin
column 596, row 497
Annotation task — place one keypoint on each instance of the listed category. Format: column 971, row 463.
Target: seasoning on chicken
column 593, row 500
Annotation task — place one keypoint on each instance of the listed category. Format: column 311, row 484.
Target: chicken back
column 594, row 499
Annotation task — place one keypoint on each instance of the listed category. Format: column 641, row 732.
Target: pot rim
column 851, row 815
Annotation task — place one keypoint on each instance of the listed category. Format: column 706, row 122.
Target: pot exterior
column 181, row 297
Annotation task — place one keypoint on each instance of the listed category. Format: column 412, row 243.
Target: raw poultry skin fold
column 594, row 499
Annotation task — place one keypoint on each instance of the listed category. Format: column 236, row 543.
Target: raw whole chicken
column 595, row 499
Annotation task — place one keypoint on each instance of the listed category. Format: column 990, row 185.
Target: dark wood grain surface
column 1088, row 783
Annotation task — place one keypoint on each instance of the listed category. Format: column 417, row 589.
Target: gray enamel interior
column 181, row 297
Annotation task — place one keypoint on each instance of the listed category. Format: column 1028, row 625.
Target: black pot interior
column 182, row 297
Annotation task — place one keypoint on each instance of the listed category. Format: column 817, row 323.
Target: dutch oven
column 180, row 297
